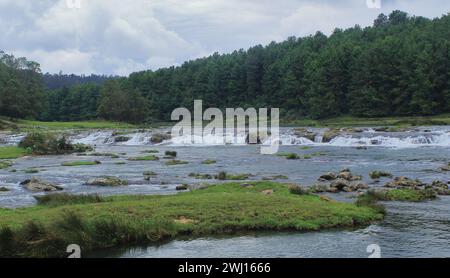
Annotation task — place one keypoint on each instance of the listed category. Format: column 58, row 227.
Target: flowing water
column 409, row 230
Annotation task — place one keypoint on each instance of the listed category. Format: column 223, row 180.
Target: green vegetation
column 63, row 199
column 397, row 67
column 400, row 195
column 230, row 177
column 31, row 125
column 31, row 171
column 80, row 163
column 380, row 174
column 144, row 158
column 176, row 162
column 298, row 190
column 5, row 164
column 45, row 231
column 171, row 154
column 201, row 176
column 209, row 162
column 12, row 152
column 42, row 143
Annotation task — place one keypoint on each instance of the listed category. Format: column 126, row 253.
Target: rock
column 328, row 176
column 340, row 184
column 5, row 164
column 446, row 168
column 158, row 138
column 381, row 129
column 246, row 185
column 376, row 175
column 319, row 188
column 268, row 192
column 404, row 182
column 347, row 175
column 120, row 139
column 38, row 185
column 440, row 188
column 4, row 189
column 107, row 181
column 182, row 187
column 330, row 135
column 302, row 132
column 198, row 186
column 325, row 199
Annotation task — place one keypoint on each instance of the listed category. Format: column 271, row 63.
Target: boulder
column 106, row 181
column 440, row 188
column 158, row 138
column 340, row 184
column 38, row 185
column 182, row 187
column 302, row 132
column 404, row 182
column 4, row 189
column 330, row 135
column 268, row 192
column 446, row 168
column 120, row 139
column 328, row 176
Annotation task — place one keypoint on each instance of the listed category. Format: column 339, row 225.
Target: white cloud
column 118, row 37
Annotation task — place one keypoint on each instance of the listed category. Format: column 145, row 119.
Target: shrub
column 298, row 190
column 40, row 143
column 171, row 154
column 67, row 199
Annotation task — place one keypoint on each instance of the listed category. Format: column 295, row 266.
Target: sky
column 123, row 36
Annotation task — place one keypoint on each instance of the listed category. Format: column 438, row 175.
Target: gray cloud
column 118, row 37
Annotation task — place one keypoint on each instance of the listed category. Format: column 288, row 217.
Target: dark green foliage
column 67, row 199
column 41, row 143
column 398, row 67
column 171, row 153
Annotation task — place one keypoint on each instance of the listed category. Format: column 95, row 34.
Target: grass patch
column 399, row 195
column 5, row 164
column 12, row 152
column 224, row 176
column 144, row 158
column 63, row 199
column 176, row 162
column 375, row 175
column 80, row 163
column 25, row 124
column 45, row 231
column 347, row 121
column 209, row 162
column 31, row 171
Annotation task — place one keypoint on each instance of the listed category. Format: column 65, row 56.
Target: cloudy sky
column 122, row 36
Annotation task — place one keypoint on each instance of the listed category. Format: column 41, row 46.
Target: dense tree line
column 400, row 66
column 21, row 90
column 60, row 80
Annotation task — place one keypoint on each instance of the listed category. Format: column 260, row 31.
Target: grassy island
column 45, row 230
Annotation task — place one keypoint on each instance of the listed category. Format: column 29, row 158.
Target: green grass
column 45, row 231
column 12, row 152
column 80, row 163
column 144, row 158
column 209, row 162
column 399, row 195
column 176, row 162
column 347, row 121
column 26, row 124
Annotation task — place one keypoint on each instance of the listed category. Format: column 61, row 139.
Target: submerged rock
column 303, row 132
column 404, row 182
column 107, row 181
column 158, row 138
column 439, row 187
column 330, row 135
column 38, row 185
column 328, row 176
column 4, row 189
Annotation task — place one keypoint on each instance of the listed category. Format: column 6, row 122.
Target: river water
column 409, row 229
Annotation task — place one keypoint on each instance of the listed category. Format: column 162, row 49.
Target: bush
column 40, row 143
column 298, row 190
column 171, row 154
column 67, row 199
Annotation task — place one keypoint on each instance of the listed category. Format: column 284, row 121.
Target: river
column 409, row 229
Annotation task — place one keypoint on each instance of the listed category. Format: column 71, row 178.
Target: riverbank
column 46, row 229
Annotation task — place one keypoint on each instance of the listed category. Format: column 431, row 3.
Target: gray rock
column 107, row 181
column 38, row 185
